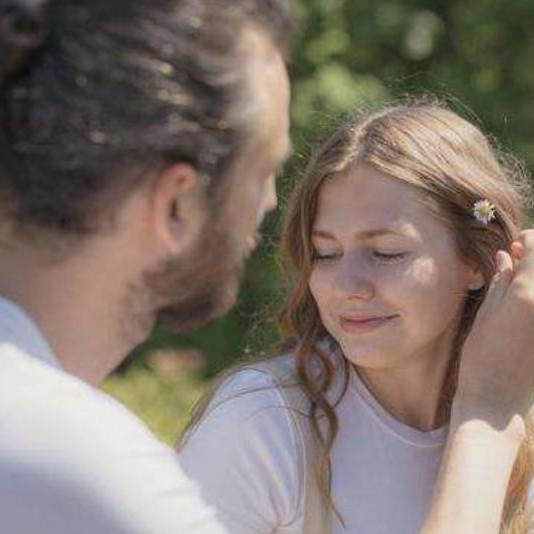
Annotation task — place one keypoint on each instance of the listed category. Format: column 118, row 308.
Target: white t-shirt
column 247, row 457
column 73, row 460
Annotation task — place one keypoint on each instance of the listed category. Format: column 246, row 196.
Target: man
column 139, row 142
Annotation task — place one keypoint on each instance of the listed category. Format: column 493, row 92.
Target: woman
column 393, row 235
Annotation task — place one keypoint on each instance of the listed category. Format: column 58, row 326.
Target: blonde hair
column 452, row 164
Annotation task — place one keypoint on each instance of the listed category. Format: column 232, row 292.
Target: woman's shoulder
column 244, row 445
column 275, row 381
column 252, row 386
column 247, row 415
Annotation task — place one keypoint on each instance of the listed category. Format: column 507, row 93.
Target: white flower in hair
column 484, row 211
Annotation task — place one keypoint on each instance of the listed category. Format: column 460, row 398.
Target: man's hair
column 95, row 94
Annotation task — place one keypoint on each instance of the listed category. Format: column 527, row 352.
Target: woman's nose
column 354, row 281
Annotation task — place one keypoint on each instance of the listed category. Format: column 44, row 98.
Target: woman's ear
column 177, row 207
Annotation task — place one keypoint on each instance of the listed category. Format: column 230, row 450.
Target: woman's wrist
column 476, row 416
column 481, row 449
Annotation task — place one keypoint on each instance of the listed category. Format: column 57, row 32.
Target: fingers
column 525, row 263
column 499, row 283
column 517, row 250
column 505, row 271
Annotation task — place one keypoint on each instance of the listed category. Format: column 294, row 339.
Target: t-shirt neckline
column 413, row 436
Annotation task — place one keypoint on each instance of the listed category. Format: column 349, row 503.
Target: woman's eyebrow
column 322, row 233
column 366, row 234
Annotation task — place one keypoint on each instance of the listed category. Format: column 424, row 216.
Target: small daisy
column 484, row 211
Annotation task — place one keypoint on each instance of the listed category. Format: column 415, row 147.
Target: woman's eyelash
column 384, row 256
column 318, row 256
column 389, row 256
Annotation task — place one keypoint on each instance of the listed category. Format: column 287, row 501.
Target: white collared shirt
column 73, row 460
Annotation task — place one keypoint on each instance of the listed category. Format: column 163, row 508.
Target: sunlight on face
column 386, row 277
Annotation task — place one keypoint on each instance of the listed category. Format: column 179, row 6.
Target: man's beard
column 188, row 292
column 199, row 309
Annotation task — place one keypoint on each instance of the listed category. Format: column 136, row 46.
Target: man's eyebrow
column 366, row 234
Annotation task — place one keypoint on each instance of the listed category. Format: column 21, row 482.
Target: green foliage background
column 348, row 54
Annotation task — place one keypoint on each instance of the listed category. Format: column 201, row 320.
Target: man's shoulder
column 72, row 455
column 42, row 406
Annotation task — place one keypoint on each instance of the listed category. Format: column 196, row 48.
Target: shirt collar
column 18, row 328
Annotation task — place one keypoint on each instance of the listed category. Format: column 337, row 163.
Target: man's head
column 155, row 123
column 202, row 280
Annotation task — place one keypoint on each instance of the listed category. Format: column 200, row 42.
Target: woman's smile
column 360, row 324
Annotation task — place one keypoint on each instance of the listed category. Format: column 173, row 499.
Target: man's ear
column 178, row 207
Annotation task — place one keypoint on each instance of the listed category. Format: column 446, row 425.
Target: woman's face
column 387, row 280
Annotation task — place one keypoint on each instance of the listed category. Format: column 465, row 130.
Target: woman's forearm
column 476, row 466
column 495, row 385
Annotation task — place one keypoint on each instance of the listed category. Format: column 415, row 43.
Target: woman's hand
column 497, row 363
column 495, row 390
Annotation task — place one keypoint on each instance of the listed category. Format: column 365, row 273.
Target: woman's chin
column 370, row 357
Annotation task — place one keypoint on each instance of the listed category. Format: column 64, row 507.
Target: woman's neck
column 411, row 391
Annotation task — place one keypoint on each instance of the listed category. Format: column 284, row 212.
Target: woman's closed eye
column 389, row 256
column 321, row 256
column 382, row 256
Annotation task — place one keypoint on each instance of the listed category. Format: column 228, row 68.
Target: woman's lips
column 359, row 325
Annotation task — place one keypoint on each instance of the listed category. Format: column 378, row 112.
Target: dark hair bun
column 22, row 32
